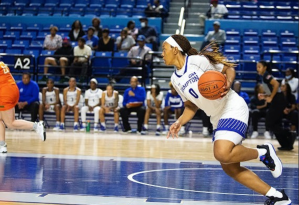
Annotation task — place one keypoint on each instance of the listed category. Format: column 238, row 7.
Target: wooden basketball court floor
column 108, row 168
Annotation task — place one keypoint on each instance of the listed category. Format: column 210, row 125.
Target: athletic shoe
column 83, row 128
column 271, row 160
column 102, row 128
column 144, row 131
column 115, row 128
column 128, row 132
column 181, row 132
column 205, row 132
column 158, row 132
column 40, row 130
column 267, row 135
column 285, row 200
column 61, row 127
column 96, row 128
column 164, row 132
column 3, row 149
column 56, row 128
column 254, row 135
column 76, row 128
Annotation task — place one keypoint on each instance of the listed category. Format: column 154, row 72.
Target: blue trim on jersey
column 185, row 68
column 230, row 124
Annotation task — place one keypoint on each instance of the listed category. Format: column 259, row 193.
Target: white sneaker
column 254, row 135
column 164, row 132
column 181, row 132
column 40, row 130
column 82, row 129
column 267, row 135
column 3, row 149
column 56, row 128
column 205, row 132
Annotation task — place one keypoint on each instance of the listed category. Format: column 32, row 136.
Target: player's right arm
column 64, row 96
column 103, row 100
column 56, row 90
column 44, row 96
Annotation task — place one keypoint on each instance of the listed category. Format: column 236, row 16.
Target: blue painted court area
column 152, row 181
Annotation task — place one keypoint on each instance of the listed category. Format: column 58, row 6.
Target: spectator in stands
column 92, row 104
column 258, row 109
column 91, row 40
column 216, row 11
column 218, row 36
column 154, row 99
column 29, row 96
column 53, row 41
column 133, row 102
column 138, row 52
column 291, row 79
column 173, row 105
column 71, row 99
column 106, row 43
column 50, row 102
column 278, row 103
column 237, row 89
column 290, row 111
column 82, row 54
column 125, row 42
column 156, row 10
column 77, row 31
column 132, row 30
column 96, row 23
column 149, row 33
column 110, row 101
column 63, row 58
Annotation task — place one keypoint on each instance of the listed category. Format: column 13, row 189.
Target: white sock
column 115, row 124
column 274, row 192
column 261, row 152
column 75, row 123
column 103, row 124
column 84, row 124
column 95, row 124
column 158, row 126
column 145, row 126
column 57, row 123
column 62, row 123
column 183, row 128
column 166, row 127
column 34, row 126
column 2, row 143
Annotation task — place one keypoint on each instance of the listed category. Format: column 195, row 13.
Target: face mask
column 142, row 24
column 288, row 77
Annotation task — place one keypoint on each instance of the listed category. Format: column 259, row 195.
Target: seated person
column 50, row 102
column 106, row 43
column 132, row 30
column 290, row 111
column 139, row 52
column 258, row 107
column 149, row 33
column 154, row 99
column 109, row 104
column 77, row 31
column 218, row 36
column 156, row 10
column 125, row 42
column 133, row 102
column 82, row 54
column 71, row 99
column 216, row 11
column 96, row 23
column 291, row 79
column 53, row 41
column 92, row 104
column 29, row 96
column 173, row 105
column 237, row 89
column 63, row 58
column 90, row 39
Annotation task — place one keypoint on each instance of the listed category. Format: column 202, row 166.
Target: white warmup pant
column 96, row 110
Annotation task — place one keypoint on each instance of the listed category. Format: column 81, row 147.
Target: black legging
column 274, row 121
column 292, row 117
column 255, row 116
column 125, row 112
column 32, row 108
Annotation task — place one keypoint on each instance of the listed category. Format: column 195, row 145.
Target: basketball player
column 229, row 115
column 9, row 96
column 71, row 98
column 50, row 102
column 92, row 104
column 109, row 104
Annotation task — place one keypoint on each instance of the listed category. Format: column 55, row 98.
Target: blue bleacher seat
column 251, row 57
column 291, row 48
column 46, row 52
column 33, row 27
column 287, row 33
column 116, row 28
column 51, row 3
column 233, row 5
column 37, row 3
column 124, row 12
column 13, row 51
column 138, row 13
column 101, row 65
column 251, row 32
column 28, row 35
column 96, row 3
column 233, row 40
column 266, row 5
column 21, row 42
column 11, row 35
column 34, row 46
column 17, row 27
column 3, row 10
column 120, row 59
column 284, row 15
column 233, row 57
column 30, row 11
column 61, row 11
column 75, row 43
column 112, row 3
column 250, row 5
column 92, row 12
column 106, row 12
column 284, row 5
column 6, row 3
column 4, row 26
column 3, row 47
column 8, row 43
column 250, row 14
column 268, row 48
column 1, row 34
column 35, row 53
column 234, row 14
column 269, row 41
column 251, row 40
column 232, row 32
column 276, row 57
column 41, row 35
column 267, row 15
column 66, row 28
column 295, row 5
column 232, row 49
column 77, row 12
column 14, row 11
column 288, row 41
column 66, row 3
column 251, row 50
column 142, row 4
column 289, row 58
column 127, row 3
column 21, row 2
column 2, row 50
column 269, row 33
column 81, row 3
column 45, row 11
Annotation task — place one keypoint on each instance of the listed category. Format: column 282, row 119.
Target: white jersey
column 110, row 101
column 71, row 97
column 185, row 82
column 93, row 96
column 150, row 97
column 50, row 97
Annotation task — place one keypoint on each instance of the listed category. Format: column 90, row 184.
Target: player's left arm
column 230, row 74
column 78, row 97
column 57, row 96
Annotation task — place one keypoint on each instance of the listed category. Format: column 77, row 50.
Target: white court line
column 131, row 178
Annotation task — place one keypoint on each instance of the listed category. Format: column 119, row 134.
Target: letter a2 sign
column 22, row 63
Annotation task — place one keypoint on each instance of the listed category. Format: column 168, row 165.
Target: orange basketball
column 211, row 83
